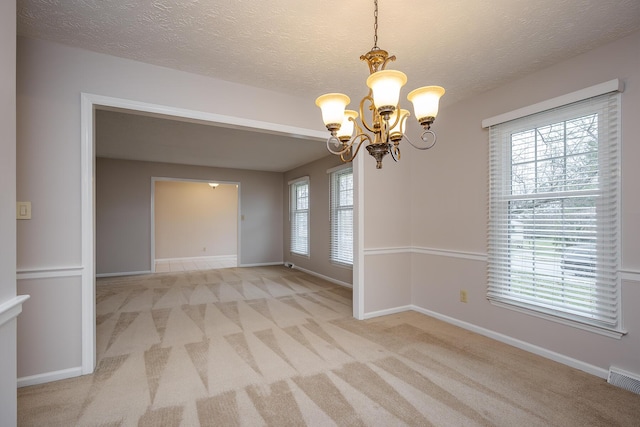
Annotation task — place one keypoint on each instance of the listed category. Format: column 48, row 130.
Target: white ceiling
column 129, row 135
column 307, row 48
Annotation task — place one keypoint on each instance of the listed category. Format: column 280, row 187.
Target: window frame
column 550, row 112
column 298, row 244
column 334, row 207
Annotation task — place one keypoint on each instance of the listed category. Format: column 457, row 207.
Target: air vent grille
column 625, row 380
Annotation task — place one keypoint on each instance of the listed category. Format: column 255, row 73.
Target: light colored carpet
column 273, row 346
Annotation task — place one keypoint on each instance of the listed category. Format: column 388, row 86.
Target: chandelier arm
column 395, row 152
column 369, row 127
column 363, row 137
column 424, row 137
column 335, row 141
column 386, row 61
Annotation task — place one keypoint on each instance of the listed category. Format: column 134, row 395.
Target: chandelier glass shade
column 385, row 126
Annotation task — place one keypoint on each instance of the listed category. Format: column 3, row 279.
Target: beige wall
column 123, row 212
column 7, row 209
column 194, row 220
column 449, row 210
column 319, row 217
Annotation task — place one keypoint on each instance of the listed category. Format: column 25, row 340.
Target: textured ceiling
column 307, row 48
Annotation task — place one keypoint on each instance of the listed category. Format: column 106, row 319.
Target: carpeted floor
column 274, row 346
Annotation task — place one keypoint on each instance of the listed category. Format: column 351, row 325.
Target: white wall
column 194, row 220
column 51, row 78
column 319, row 217
column 449, row 212
column 7, row 211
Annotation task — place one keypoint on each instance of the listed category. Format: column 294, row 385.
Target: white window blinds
column 299, row 216
column 342, row 216
column 553, row 223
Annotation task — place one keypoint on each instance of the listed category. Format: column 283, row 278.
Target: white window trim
column 610, row 86
column 614, row 85
column 330, row 172
column 291, row 183
column 339, row 168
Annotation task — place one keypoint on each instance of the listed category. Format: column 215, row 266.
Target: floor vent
column 624, row 379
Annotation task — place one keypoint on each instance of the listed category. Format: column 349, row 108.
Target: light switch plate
column 23, row 210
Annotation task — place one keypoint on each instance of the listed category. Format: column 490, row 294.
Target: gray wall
column 123, row 212
column 7, row 208
column 320, row 228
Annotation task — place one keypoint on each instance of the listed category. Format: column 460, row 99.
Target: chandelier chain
column 375, row 25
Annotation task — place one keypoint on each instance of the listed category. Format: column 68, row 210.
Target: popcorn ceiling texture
column 307, row 48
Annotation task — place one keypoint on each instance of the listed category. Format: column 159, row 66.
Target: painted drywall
column 387, row 231
column 192, row 219
column 449, row 210
column 51, row 79
column 59, row 300
column 7, row 208
column 123, row 212
column 319, row 216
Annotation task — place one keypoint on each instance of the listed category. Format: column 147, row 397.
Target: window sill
column 307, row 256
column 342, row 265
column 611, row 333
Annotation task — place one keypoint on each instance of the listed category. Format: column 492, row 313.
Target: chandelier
column 387, row 123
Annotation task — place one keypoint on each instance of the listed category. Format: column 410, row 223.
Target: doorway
column 88, row 104
column 195, row 225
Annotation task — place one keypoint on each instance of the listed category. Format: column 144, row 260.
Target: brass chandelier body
column 386, row 125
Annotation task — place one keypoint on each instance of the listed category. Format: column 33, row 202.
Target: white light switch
column 23, row 210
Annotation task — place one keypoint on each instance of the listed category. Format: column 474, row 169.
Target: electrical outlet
column 204, row 249
column 463, row 295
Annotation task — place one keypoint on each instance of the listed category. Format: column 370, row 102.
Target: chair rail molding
column 10, row 309
column 49, row 272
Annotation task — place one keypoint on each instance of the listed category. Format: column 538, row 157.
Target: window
column 299, row 219
column 342, row 216
column 553, row 222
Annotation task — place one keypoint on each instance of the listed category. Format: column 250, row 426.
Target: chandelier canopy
column 387, row 122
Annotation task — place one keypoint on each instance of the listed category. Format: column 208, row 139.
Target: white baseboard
column 124, row 273
column 260, row 264
column 523, row 345
column 322, row 276
column 531, row 348
column 198, row 258
column 47, row 377
column 387, row 312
